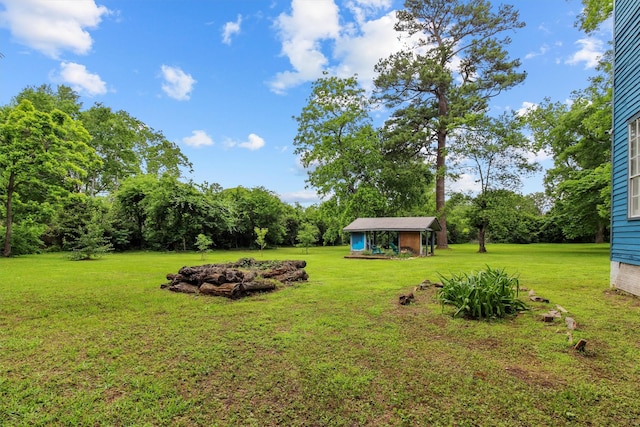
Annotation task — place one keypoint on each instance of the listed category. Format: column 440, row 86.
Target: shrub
column 25, row 237
column 490, row 293
column 202, row 243
column 90, row 243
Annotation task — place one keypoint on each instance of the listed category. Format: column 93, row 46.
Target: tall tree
column 577, row 135
column 176, row 212
column 345, row 156
column 114, row 136
column 254, row 207
column 455, row 64
column 336, row 140
column 496, row 152
column 127, row 147
column 40, row 152
column 44, row 98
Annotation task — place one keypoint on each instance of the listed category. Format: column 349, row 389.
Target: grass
column 98, row 343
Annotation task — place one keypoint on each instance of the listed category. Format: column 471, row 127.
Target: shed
column 415, row 234
column 625, row 160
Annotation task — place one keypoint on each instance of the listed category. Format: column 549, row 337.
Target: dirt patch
column 533, row 377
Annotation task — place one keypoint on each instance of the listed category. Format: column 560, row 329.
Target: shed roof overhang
column 418, row 223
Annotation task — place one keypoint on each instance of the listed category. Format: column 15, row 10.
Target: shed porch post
column 433, row 240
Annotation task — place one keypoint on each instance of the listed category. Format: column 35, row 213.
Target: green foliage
column 43, row 157
column 346, row 158
column 203, row 243
column 577, row 136
column 253, row 207
column 459, row 228
column 445, row 79
column 261, row 234
column 335, row 138
column 486, row 294
column 45, row 99
column 496, row 153
column 90, row 241
column 73, row 213
column 307, row 236
column 594, row 13
column 507, row 217
column 165, row 213
column 26, row 237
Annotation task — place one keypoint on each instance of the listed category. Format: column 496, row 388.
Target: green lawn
column 98, row 343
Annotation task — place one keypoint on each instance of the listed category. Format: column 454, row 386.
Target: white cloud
column 229, row 29
column 314, row 40
column 526, row 107
column 304, row 197
column 466, row 183
column 198, row 138
column 539, row 156
column 544, row 29
column 358, row 54
column 254, row 143
column 51, row 27
column 590, row 52
column 543, row 49
column 301, row 34
column 363, row 8
column 177, row 84
column 81, row 80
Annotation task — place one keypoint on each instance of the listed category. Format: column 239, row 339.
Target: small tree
column 307, row 236
column 203, row 243
column 261, row 234
column 90, row 242
column 496, row 152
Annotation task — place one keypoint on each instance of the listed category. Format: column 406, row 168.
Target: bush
column 25, row 237
column 491, row 293
column 90, row 243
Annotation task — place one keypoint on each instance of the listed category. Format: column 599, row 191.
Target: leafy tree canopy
column 456, row 62
column 43, row 156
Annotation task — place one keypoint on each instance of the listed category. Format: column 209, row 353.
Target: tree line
column 71, row 176
column 439, row 126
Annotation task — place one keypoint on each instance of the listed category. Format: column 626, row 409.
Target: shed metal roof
column 415, row 223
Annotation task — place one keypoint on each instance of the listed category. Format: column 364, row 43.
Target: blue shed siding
column 625, row 232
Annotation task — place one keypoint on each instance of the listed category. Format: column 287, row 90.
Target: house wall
column 410, row 239
column 358, row 242
column 625, row 233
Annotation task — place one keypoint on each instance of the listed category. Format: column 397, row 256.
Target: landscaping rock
column 571, row 324
column 580, row 345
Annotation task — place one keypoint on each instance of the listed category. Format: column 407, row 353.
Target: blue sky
column 223, row 78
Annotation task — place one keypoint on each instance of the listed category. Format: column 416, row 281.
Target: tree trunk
column 440, row 191
column 482, row 231
column 259, row 285
column 229, row 290
column 600, row 233
column 7, row 236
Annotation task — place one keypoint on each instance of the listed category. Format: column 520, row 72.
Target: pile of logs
column 238, row 279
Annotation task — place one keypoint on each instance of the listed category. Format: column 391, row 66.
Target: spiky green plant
column 489, row 293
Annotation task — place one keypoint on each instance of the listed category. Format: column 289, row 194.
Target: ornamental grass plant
column 486, row 294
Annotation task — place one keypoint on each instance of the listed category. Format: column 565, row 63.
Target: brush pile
column 238, row 279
